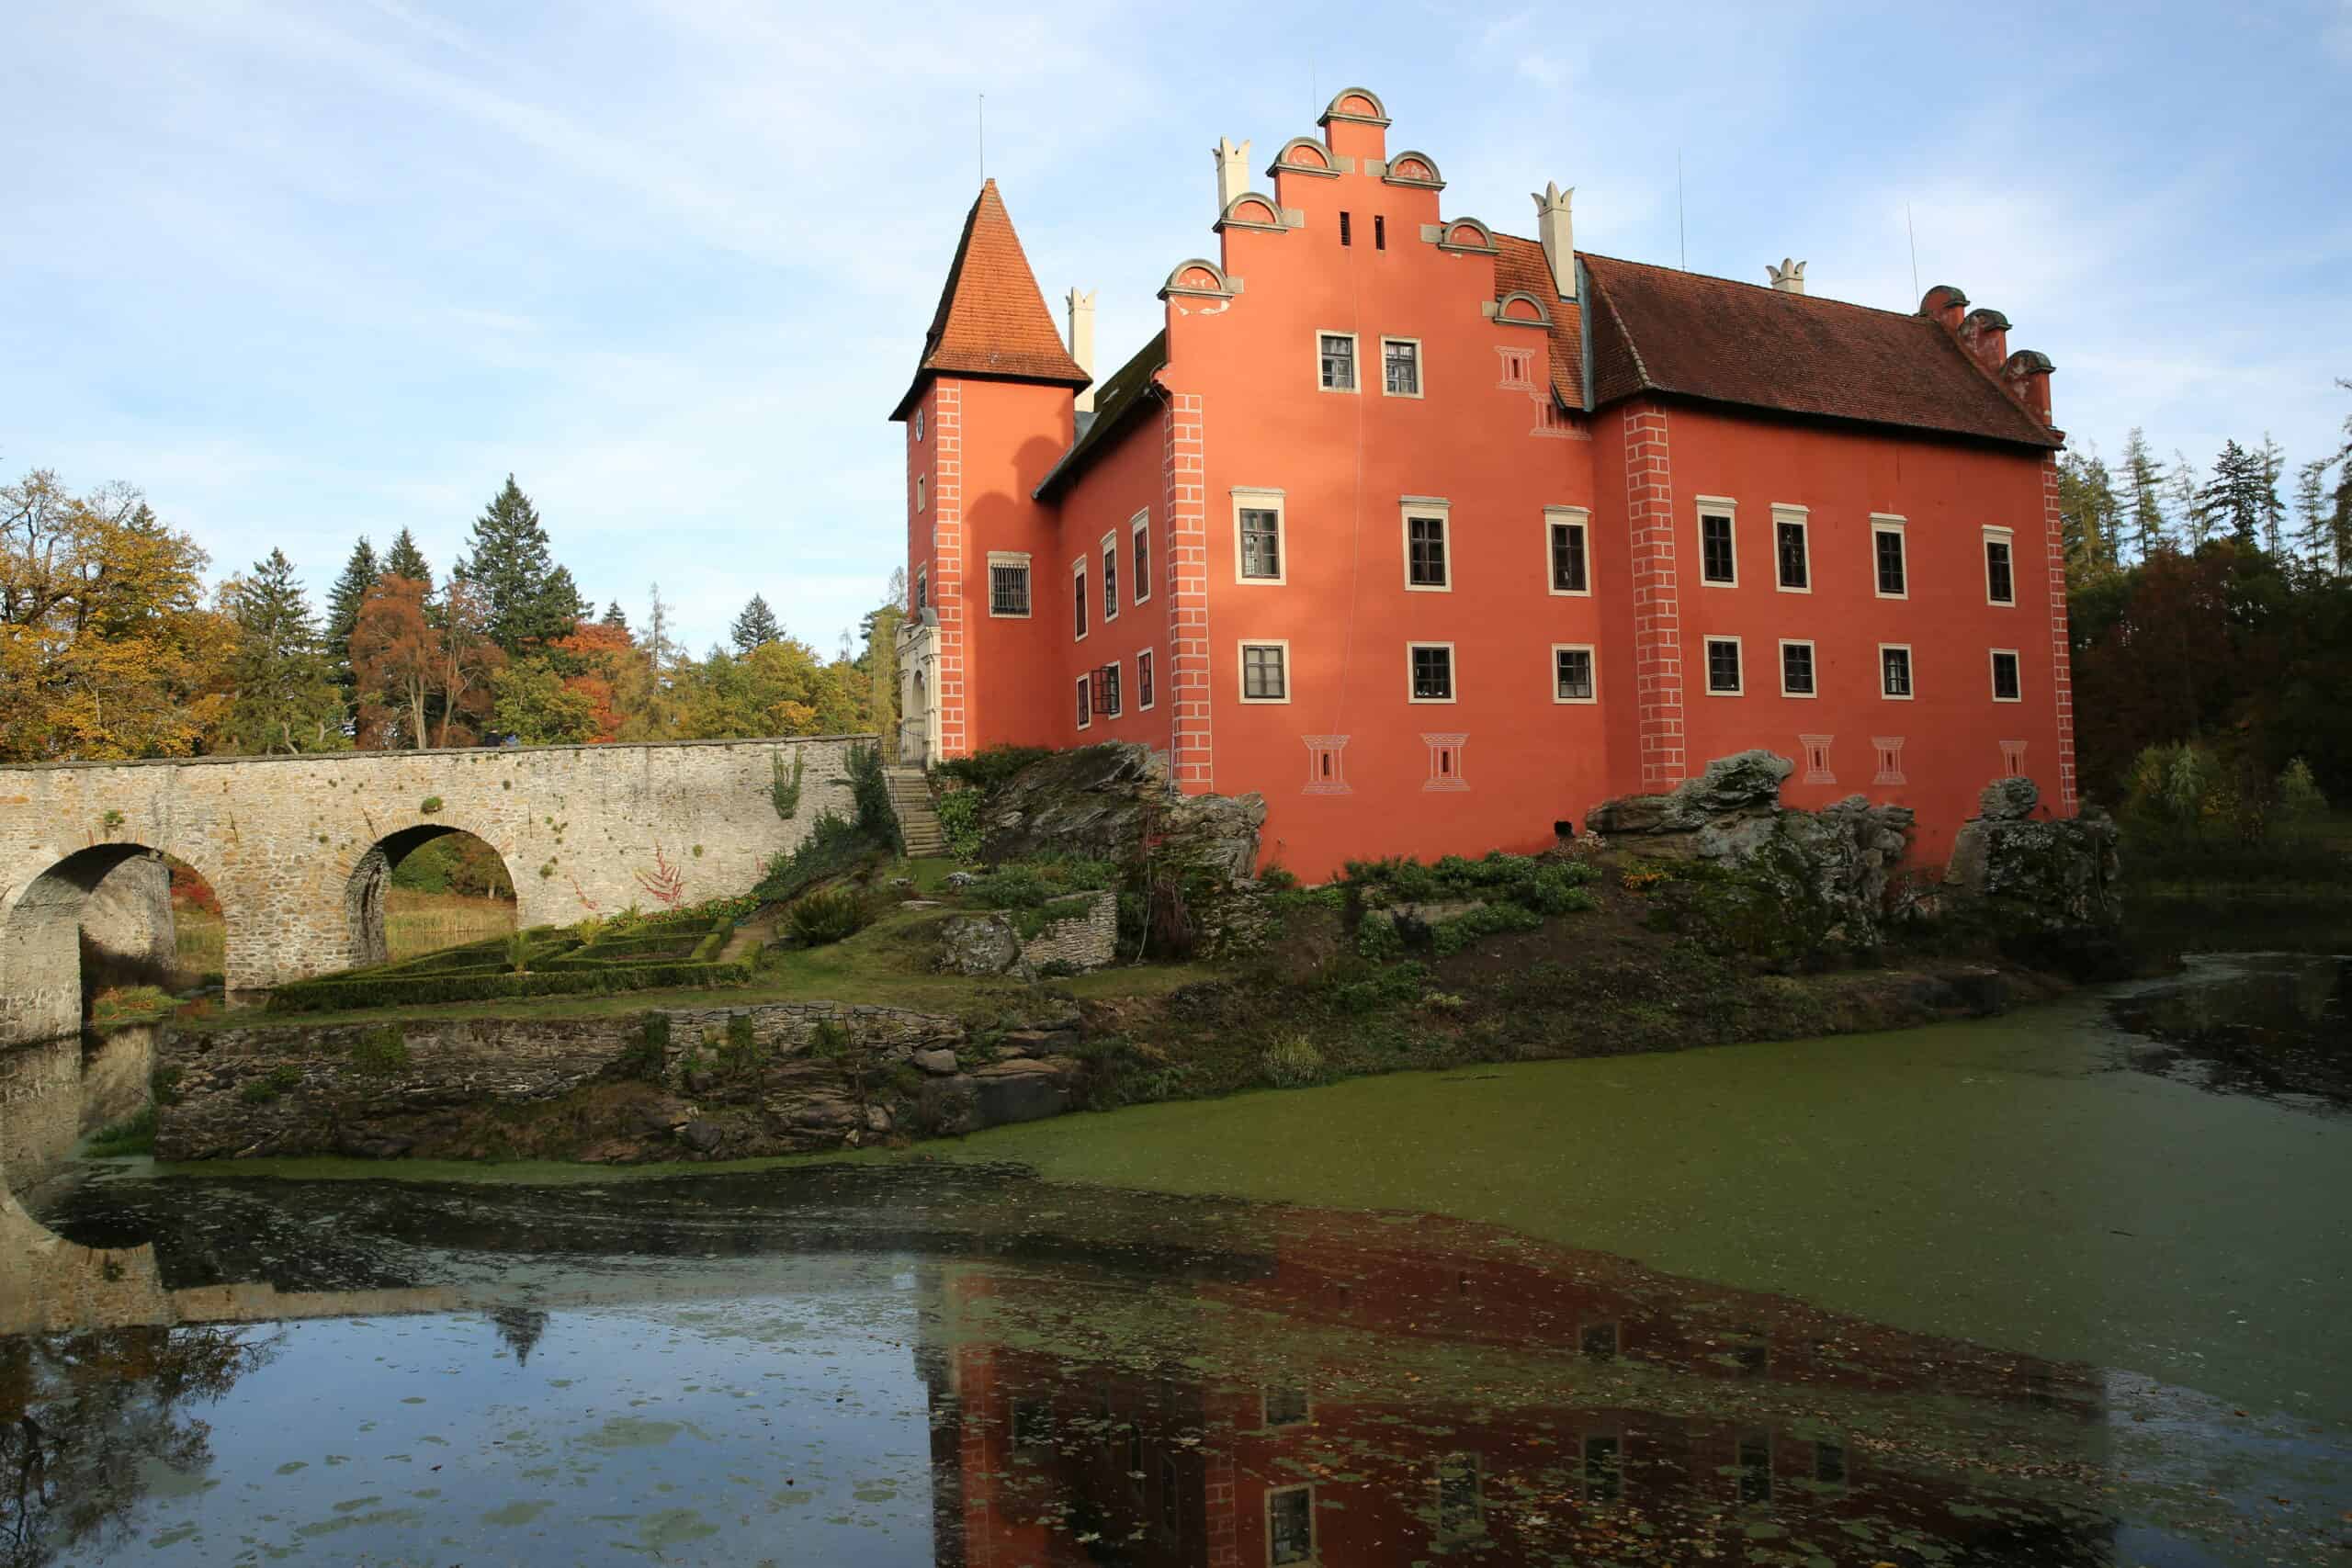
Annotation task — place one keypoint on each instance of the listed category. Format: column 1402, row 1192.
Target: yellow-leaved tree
column 107, row 648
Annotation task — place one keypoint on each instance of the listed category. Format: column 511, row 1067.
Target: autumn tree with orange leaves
column 418, row 659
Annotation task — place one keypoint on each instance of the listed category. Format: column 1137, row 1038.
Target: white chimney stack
column 1081, row 341
column 1232, row 171
column 1788, row 278
column 1552, row 226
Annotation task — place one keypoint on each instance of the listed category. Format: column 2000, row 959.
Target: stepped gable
column 1520, row 267
column 1658, row 330
column 991, row 320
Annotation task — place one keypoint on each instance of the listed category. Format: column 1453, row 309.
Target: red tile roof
column 991, row 320
column 1520, row 268
column 1654, row 329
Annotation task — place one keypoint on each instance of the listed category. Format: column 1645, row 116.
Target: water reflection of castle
column 1669, row 1429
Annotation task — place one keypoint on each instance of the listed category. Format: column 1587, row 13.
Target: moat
column 2063, row 1286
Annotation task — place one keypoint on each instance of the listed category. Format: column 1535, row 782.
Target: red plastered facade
column 1540, row 395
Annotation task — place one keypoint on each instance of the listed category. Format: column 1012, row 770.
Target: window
column 1796, row 669
column 1400, row 367
column 1110, row 579
column 1570, row 556
column 1894, row 670
column 1718, row 560
column 1379, row 232
column 1337, row 353
column 1571, row 672
column 1258, row 553
column 1290, row 1525
column 1755, row 1467
column 1077, row 602
column 1347, row 230
column 1886, row 551
column 1106, row 689
column 1141, row 529
column 1085, row 701
column 1723, row 667
column 1144, row 694
column 2000, row 572
column 921, row 492
column 1599, row 1341
column 1460, row 1509
column 1285, row 1407
column 2006, row 684
column 1008, row 584
column 1265, row 671
column 1427, row 565
column 918, row 425
column 923, row 589
column 1792, row 550
column 1604, row 1472
column 1431, row 665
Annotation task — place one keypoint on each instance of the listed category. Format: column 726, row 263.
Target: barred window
column 1290, row 1526
column 1338, row 351
column 1401, row 366
column 1723, row 666
column 1432, row 667
column 1085, row 701
column 1717, row 561
column 1143, row 559
column 2000, row 579
column 1572, row 674
column 1264, row 675
column 1077, row 602
column 1261, row 542
column 1570, row 572
column 923, row 589
column 1008, row 588
column 1109, row 580
column 1425, row 552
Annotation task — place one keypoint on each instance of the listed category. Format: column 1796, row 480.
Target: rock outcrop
column 1836, row 861
column 1094, row 801
column 2032, row 873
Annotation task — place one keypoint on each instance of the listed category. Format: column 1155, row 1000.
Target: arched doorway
column 425, row 888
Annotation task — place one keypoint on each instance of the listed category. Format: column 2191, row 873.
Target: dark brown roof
column 991, row 320
column 1658, row 330
column 1520, row 268
column 1117, row 402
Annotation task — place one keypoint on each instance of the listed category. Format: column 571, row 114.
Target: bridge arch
column 41, row 936
column 366, row 892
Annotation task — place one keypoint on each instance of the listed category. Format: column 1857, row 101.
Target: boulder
column 702, row 1136
column 1022, row 1089
column 978, row 945
column 2008, row 800
column 939, row 1063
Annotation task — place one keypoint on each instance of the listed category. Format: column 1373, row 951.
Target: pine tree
column 616, row 616
column 531, row 601
column 2271, row 467
column 2089, row 514
column 2181, row 490
column 360, row 574
column 2232, row 497
column 287, row 695
column 2143, row 478
column 404, row 560
column 757, row 625
column 2311, row 510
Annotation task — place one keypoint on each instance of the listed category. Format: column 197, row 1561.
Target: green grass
column 929, row 872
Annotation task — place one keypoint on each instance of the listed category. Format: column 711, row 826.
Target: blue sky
column 304, row 272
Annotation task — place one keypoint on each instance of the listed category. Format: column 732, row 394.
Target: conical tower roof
column 991, row 320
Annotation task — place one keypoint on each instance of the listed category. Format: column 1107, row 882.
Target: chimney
column 1081, row 341
column 1232, row 171
column 1946, row 304
column 2025, row 374
column 1788, row 278
column 1553, row 228
column 1986, row 335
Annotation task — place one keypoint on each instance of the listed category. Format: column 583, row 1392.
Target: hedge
column 336, row 995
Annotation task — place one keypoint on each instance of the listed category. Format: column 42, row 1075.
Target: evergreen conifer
column 756, row 625
column 530, row 600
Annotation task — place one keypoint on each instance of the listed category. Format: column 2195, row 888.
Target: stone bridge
column 298, row 850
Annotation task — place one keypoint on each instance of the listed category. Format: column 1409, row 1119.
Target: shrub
column 1292, row 1063
column 959, row 822
column 645, row 1058
column 380, row 1050
column 871, row 791
column 1453, row 935
column 518, row 953
column 2298, row 792
column 1377, row 937
column 135, row 1136
column 784, row 788
column 831, row 847
column 987, row 770
column 829, row 1041
column 828, row 915
column 164, row 1085
column 430, row 805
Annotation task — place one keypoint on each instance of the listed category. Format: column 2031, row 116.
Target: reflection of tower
column 520, row 1327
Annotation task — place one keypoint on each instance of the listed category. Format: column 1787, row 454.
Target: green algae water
column 2065, row 1287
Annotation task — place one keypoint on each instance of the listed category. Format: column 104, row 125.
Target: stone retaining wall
column 1085, row 941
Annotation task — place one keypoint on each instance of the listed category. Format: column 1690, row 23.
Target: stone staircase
column 918, row 822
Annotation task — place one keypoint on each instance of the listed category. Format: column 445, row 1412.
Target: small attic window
column 1379, row 232
column 1347, row 236
column 918, row 425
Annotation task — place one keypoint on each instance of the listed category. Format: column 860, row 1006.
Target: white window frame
column 1314, row 1542
column 1813, row 656
column 1801, row 518
column 1992, row 673
column 1086, row 687
column 922, row 494
column 1728, row 509
column 1148, row 690
column 1995, row 534
column 1568, row 516
column 1116, row 686
column 1111, row 575
column 1886, row 522
column 1910, row 661
column 1420, row 368
column 1425, row 507
column 1248, row 498
column 1592, row 662
column 1141, row 524
column 1453, row 676
column 1080, row 588
column 1707, row 667
column 1355, row 357
column 1021, row 559
column 1241, row 670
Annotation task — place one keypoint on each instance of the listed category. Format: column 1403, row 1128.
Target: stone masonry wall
column 286, row 841
column 1088, row 941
